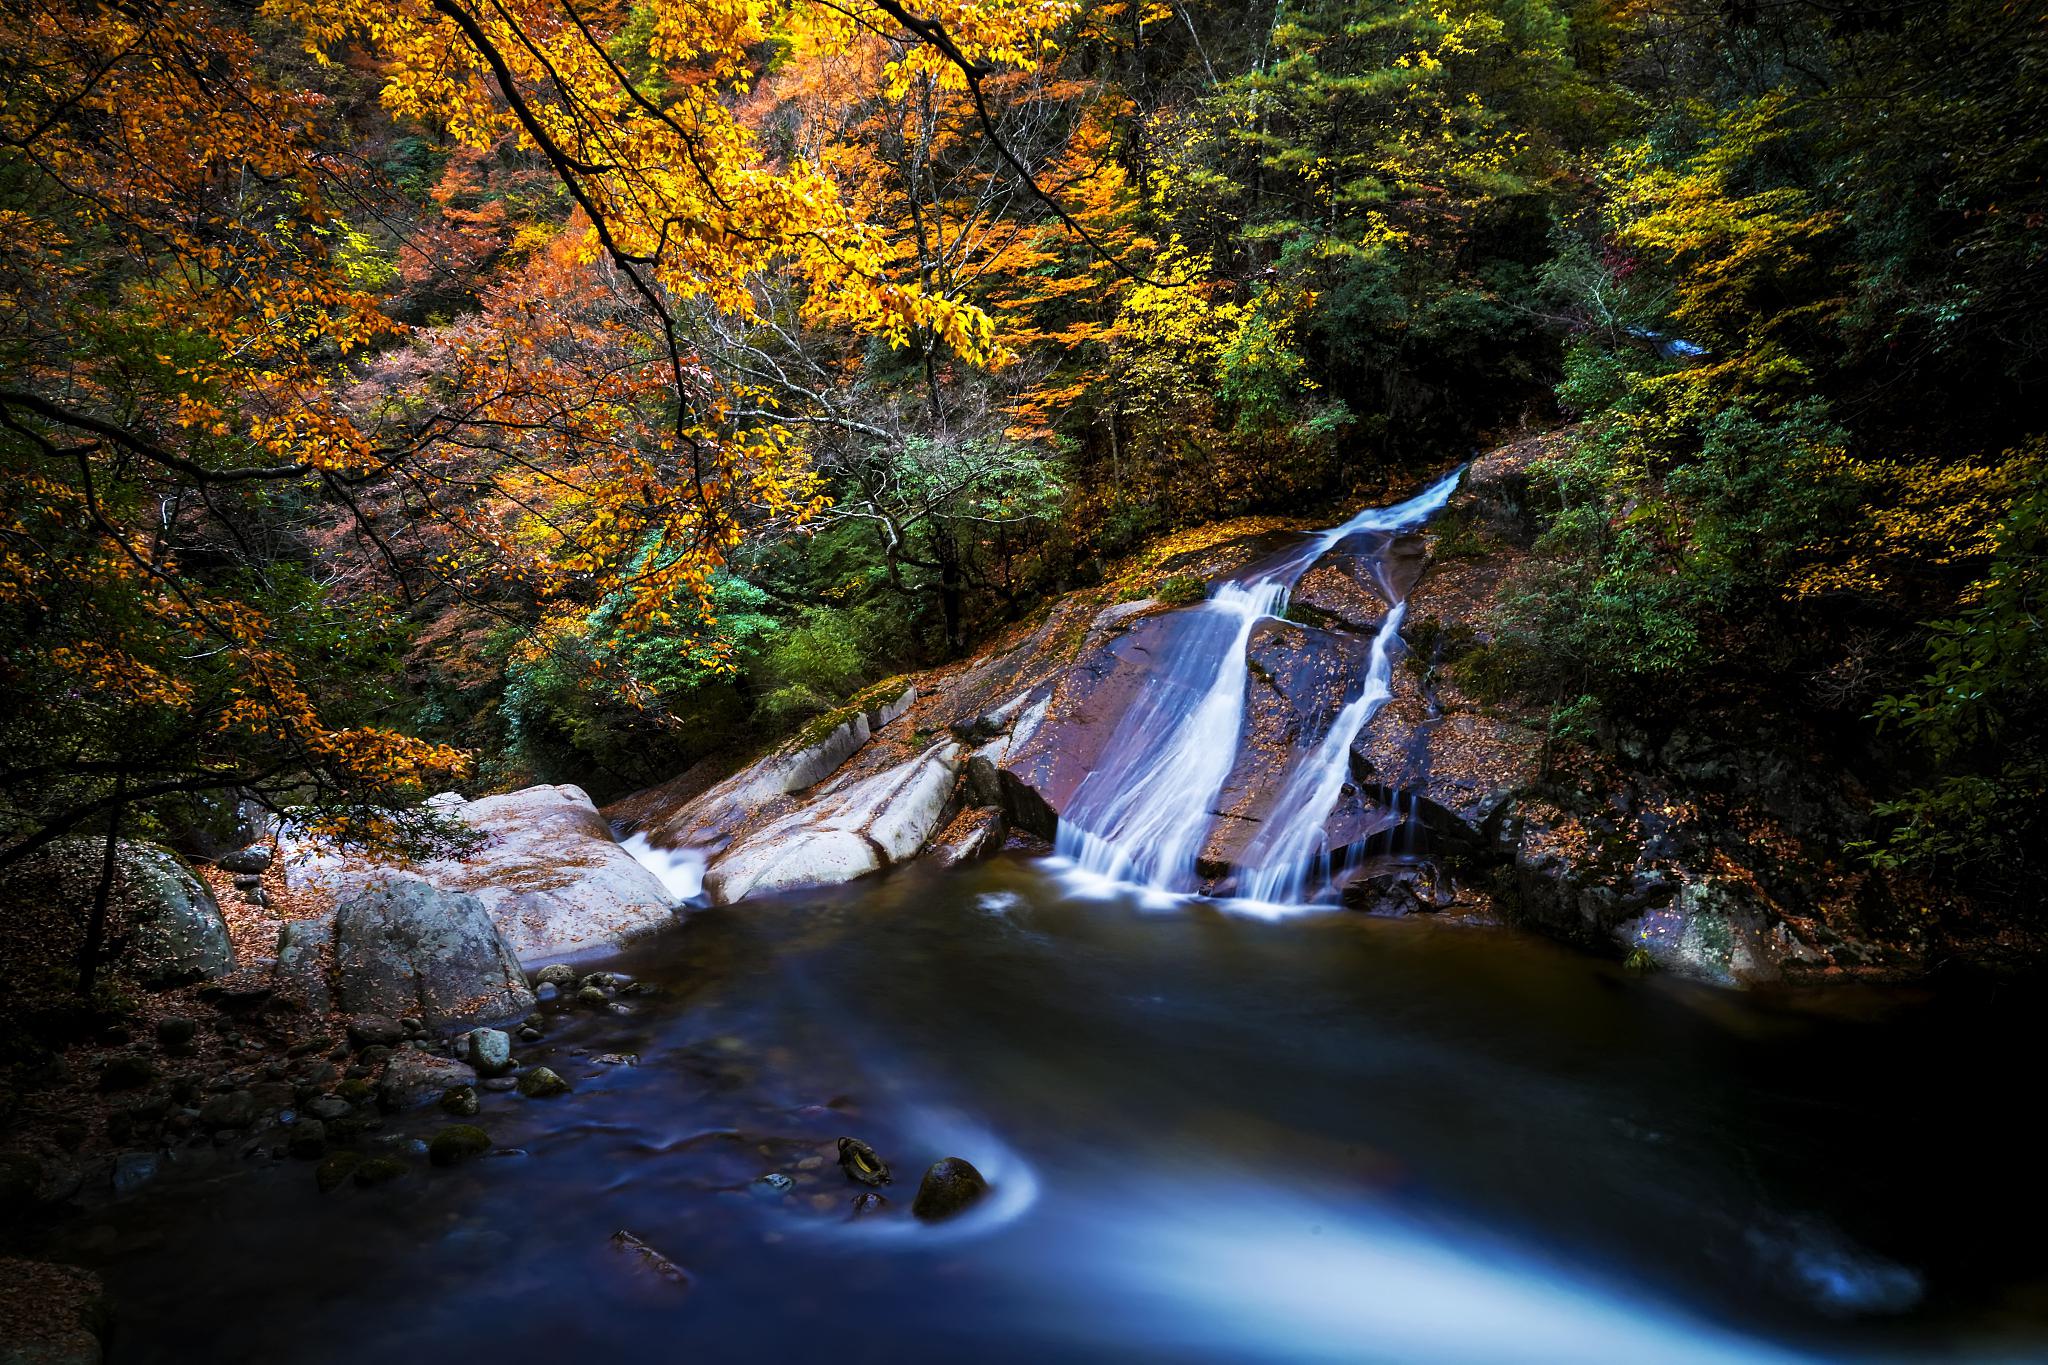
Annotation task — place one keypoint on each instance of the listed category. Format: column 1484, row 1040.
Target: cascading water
column 1143, row 812
column 1292, row 845
column 1152, row 823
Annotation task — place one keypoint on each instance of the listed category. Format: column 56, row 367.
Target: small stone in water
column 860, row 1162
column 558, row 974
column 593, row 997
column 133, row 1170
column 617, row 1059
column 308, row 1141
column 501, row 1084
column 336, row 1169
column 546, row 990
column 458, row 1143
column 459, row 1100
column 868, row 1202
column 950, row 1186
column 488, row 1050
column 774, row 1185
column 530, row 1034
column 541, row 1083
column 378, row 1170
column 327, row 1107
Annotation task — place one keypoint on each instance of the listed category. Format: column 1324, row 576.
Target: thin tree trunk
column 96, row 923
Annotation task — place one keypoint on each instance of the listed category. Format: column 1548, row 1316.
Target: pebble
column 774, row 1185
column 326, row 1107
column 500, row 1084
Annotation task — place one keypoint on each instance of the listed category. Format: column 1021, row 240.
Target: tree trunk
column 96, row 922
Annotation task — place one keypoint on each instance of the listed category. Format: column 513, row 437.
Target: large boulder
column 405, row 947
column 176, row 932
column 172, row 928
column 547, row 868
column 553, row 877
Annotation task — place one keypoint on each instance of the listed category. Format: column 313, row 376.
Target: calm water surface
column 1211, row 1137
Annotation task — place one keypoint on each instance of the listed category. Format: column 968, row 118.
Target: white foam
column 679, row 870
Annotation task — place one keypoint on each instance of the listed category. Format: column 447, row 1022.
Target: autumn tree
column 202, row 374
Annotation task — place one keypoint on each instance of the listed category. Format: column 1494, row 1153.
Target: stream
column 1210, row 1136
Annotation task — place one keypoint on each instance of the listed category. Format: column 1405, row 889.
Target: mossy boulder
column 542, row 1083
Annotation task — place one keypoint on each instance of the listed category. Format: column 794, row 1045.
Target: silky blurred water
column 1211, row 1137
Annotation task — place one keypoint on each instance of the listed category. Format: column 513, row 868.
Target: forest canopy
column 404, row 394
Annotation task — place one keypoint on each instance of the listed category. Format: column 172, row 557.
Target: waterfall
column 1151, row 822
column 1143, row 812
column 1292, row 843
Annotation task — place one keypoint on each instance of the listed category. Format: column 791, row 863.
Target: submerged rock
column 868, row 1203
column 650, row 1259
column 951, row 1186
column 457, row 1143
column 772, row 1186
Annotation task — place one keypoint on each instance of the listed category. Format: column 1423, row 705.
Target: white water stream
column 1290, row 849
column 1142, row 815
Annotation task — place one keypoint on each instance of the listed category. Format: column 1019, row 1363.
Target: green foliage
column 1679, row 517
column 813, row 663
column 1977, row 718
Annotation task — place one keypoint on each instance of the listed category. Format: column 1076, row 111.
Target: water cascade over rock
column 1144, row 811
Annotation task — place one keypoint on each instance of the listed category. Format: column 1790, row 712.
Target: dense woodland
column 406, row 394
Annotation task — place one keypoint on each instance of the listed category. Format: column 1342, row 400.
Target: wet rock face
column 950, row 1187
column 1300, row 678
